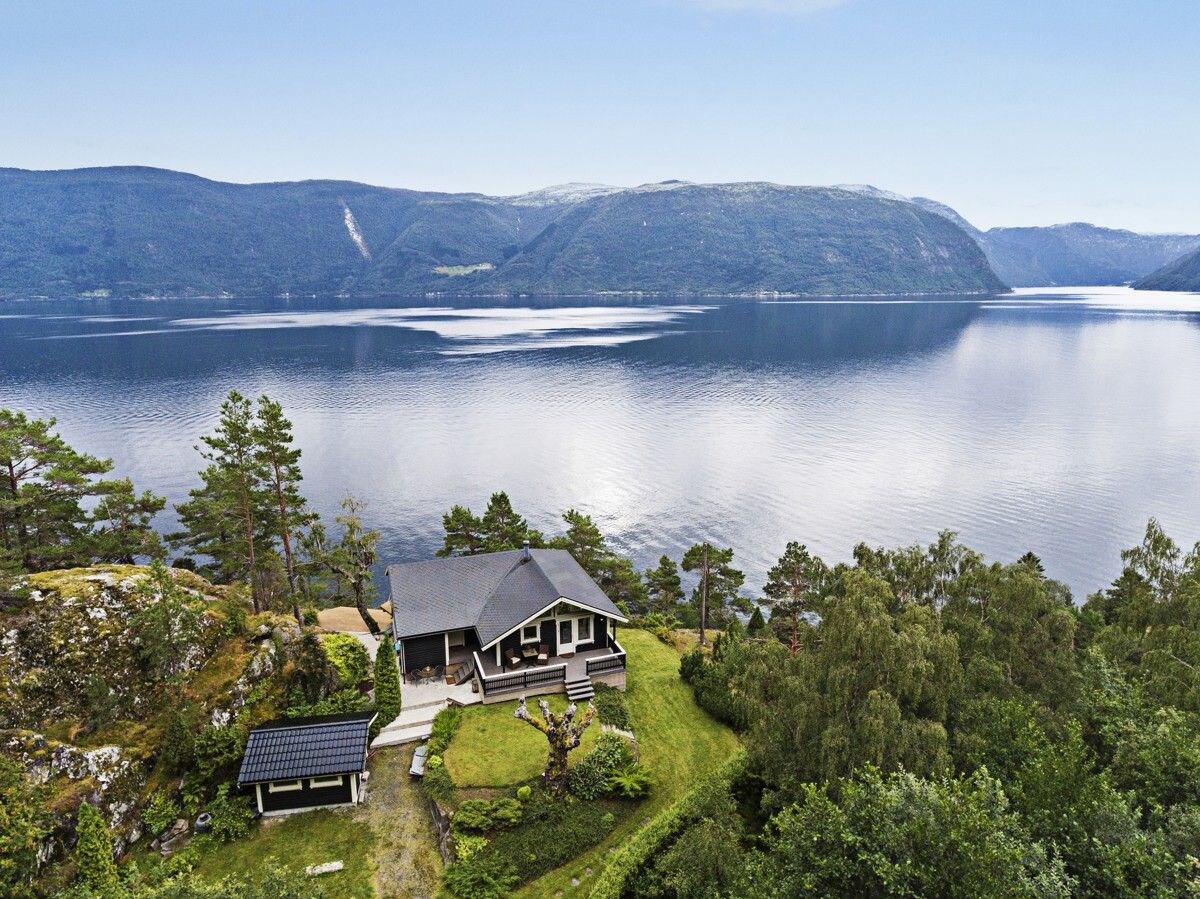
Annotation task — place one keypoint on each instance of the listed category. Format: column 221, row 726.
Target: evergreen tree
column 614, row 574
column 95, row 866
column 167, row 625
column 719, row 582
column 44, row 487
column 230, row 517
column 464, row 533
column 503, row 528
column 387, row 686
column 24, row 823
column 664, row 586
column 793, row 589
column 757, row 624
column 281, row 462
column 124, row 529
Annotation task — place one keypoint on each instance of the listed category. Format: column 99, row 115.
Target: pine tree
column 281, row 461
column 464, row 533
column 503, row 528
column 231, row 515
column 614, row 574
column 794, row 587
column 44, row 487
column 664, row 585
column 757, row 623
column 719, row 581
column 95, row 867
column 387, row 686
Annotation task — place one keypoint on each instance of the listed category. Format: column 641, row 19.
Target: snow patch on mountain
column 355, row 232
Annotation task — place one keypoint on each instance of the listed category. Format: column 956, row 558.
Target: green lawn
column 679, row 743
column 494, row 749
column 296, row 842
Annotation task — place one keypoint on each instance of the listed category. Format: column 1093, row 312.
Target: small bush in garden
column 178, row 749
column 589, row 779
column 349, row 657
column 311, row 616
column 160, row 813
column 94, row 863
column 610, row 704
column 437, row 782
column 219, row 750
column 480, row 814
column 630, row 783
column 231, row 815
column 523, row 793
column 486, row 876
column 466, row 845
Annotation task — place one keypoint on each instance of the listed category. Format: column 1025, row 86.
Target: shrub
column 231, row 815
column 480, row 814
column 160, row 813
column 218, row 751
column 610, row 704
column 339, row 703
column 311, row 616
column 589, row 779
column 94, row 864
column 484, row 876
column 690, row 665
column 552, row 833
column 524, row 792
column 179, row 744
column 233, row 608
column 387, row 686
column 630, row 783
column 466, row 845
column 349, row 657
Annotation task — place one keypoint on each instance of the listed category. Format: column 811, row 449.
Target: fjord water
column 1057, row 421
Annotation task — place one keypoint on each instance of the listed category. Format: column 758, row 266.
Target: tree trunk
column 563, row 732
column 360, row 602
column 248, row 525
column 285, row 537
column 704, row 598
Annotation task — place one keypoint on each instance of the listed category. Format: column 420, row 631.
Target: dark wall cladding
column 307, row 796
column 422, row 651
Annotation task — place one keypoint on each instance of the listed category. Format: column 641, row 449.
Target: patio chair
column 514, row 659
column 543, row 656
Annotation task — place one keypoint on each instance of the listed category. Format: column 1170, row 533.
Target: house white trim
column 540, row 612
column 318, row 783
column 285, row 786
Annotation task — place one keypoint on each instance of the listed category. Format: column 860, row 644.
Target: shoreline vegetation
column 914, row 721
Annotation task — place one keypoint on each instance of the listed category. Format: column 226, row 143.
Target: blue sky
column 1012, row 112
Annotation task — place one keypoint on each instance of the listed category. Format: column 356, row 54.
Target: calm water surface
column 1057, row 421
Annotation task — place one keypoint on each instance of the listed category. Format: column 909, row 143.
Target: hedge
column 636, row 852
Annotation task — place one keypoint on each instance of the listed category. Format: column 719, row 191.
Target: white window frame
column 284, row 786
column 319, row 782
column 537, row 633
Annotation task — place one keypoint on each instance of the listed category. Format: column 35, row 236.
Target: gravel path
column 407, row 863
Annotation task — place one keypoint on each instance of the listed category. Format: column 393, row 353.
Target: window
column 530, row 633
column 317, row 782
column 564, row 631
column 283, row 786
column 584, row 630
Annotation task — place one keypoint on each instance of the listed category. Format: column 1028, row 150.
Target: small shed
column 297, row 764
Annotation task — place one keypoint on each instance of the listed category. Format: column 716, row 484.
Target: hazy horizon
column 1014, row 114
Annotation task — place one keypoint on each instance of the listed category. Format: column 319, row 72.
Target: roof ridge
column 347, row 718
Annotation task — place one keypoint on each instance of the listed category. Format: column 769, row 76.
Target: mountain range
column 1179, row 274
column 132, row 231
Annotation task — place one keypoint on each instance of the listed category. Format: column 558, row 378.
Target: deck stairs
column 414, row 723
column 580, row 689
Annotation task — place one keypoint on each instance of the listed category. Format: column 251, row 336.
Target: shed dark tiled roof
column 306, row 747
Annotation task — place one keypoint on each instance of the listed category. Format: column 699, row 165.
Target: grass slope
column 679, row 743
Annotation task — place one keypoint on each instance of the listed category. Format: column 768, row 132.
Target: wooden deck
column 576, row 665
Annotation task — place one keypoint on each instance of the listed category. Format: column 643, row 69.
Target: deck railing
column 515, row 681
column 609, row 663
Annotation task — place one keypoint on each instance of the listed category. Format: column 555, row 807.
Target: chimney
column 525, row 552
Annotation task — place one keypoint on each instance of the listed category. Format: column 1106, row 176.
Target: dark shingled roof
column 306, row 747
column 492, row 593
